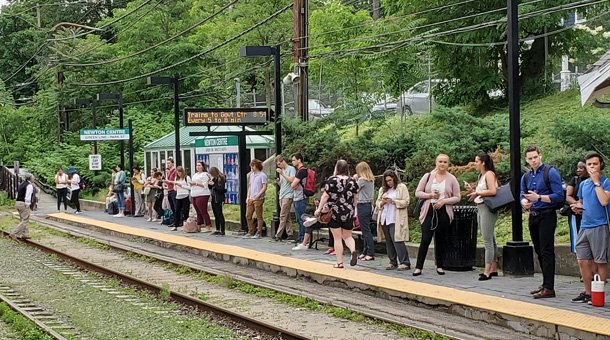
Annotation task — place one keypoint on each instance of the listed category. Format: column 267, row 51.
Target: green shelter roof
column 186, row 140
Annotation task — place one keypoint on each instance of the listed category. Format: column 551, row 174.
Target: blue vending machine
column 222, row 153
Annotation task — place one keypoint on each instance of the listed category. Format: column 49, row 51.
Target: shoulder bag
column 503, row 197
column 420, row 201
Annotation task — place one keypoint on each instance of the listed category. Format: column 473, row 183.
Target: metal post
column 133, row 200
column 278, row 128
column 94, row 113
column 177, row 156
column 518, row 255
column 244, row 168
column 238, row 89
column 121, row 125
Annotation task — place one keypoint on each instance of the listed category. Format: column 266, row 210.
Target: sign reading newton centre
column 216, row 145
column 104, row 134
column 241, row 116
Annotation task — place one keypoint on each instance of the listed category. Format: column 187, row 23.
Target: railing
column 9, row 182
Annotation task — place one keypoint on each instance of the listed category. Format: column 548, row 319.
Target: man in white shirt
column 25, row 192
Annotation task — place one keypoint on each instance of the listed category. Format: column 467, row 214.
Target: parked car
column 386, row 103
column 418, row 98
column 317, row 109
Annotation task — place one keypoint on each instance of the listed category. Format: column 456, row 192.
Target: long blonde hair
column 364, row 171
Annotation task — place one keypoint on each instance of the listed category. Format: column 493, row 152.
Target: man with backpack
column 542, row 194
column 299, row 200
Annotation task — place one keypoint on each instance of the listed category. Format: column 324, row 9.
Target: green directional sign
column 104, row 134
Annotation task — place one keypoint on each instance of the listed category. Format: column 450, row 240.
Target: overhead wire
column 192, row 27
column 427, row 36
column 237, row 36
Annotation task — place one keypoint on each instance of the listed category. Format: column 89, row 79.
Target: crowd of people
column 345, row 201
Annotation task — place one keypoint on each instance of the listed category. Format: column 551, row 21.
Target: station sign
column 234, row 116
column 211, row 145
column 95, row 162
column 104, row 134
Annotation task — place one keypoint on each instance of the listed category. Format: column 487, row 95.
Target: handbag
column 146, row 191
column 326, row 216
column 191, row 226
column 420, row 201
column 503, row 197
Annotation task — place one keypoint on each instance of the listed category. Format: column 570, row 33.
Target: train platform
column 503, row 301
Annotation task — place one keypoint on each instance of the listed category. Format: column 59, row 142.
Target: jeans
column 171, row 197
column 542, row 231
column 201, row 207
column 437, row 221
column 62, row 195
column 219, row 217
column 120, row 200
column 365, row 213
column 74, row 199
column 299, row 210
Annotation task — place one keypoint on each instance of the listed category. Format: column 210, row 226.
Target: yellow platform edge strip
column 555, row 316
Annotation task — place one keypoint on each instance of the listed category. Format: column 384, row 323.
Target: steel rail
column 195, row 303
column 32, row 318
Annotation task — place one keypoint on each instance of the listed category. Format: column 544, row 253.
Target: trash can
column 459, row 243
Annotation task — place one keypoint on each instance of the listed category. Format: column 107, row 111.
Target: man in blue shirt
column 592, row 239
column 542, row 199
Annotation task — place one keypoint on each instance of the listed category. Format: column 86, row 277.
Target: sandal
column 361, row 257
column 354, row 260
column 368, row 258
column 329, row 251
column 390, row 267
column 338, row 265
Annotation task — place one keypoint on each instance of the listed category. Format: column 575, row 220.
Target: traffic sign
column 104, row 134
column 95, row 162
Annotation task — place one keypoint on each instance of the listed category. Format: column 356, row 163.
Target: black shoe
column 417, row 273
column 582, row 297
column 535, row 291
column 440, row 272
column 484, row 277
column 492, row 274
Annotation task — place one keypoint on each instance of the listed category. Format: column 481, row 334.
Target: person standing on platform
column 441, row 191
column 25, row 194
column 255, row 199
column 592, row 239
column 62, row 185
column 218, row 190
column 541, row 192
column 487, row 186
column 366, row 187
column 393, row 221
column 74, row 180
column 138, row 186
column 341, row 196
column 170, row 176
column 183, row 203
column 119, row 189
column 575, row 215
column 286, row 174
column 200, row 193
column 299, row 200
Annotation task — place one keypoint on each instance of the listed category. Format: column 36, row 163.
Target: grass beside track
column 22, row 326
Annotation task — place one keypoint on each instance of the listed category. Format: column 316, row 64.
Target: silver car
column 418, row 98
column 317, row 109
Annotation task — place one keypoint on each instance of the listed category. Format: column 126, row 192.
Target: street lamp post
column 174, row 82
column 117, row 98
column 262, row 51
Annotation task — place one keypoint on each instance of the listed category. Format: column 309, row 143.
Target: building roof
column 596, row 82
column 186, row 140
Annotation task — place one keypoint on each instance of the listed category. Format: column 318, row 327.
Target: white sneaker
column 148, row 219
column 300, row 246
column 154, row 220
column 310, row 221
column 119, row 215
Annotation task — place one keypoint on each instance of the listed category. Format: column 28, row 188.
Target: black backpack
column 547, row 182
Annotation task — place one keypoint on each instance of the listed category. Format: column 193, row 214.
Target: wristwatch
column 539, row 198
column 597, row 184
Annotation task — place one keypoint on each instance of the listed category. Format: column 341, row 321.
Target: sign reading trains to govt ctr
column 235, row 116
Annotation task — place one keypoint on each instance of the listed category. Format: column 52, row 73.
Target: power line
column 192, row 27
column 239, row 35
column 425, row 37
column 419, row 27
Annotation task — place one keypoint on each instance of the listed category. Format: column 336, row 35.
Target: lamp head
column 291, row 78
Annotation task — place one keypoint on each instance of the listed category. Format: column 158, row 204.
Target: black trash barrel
column 459, row 243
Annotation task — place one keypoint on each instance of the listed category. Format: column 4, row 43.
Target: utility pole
column 38, row 19
column 301, row 58
column 376, row 7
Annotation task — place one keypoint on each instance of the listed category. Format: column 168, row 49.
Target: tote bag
column 503, row 197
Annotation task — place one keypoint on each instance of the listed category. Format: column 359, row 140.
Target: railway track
column 185, row 300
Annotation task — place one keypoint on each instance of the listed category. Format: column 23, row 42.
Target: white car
column 387, row 104
column 317, row 109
